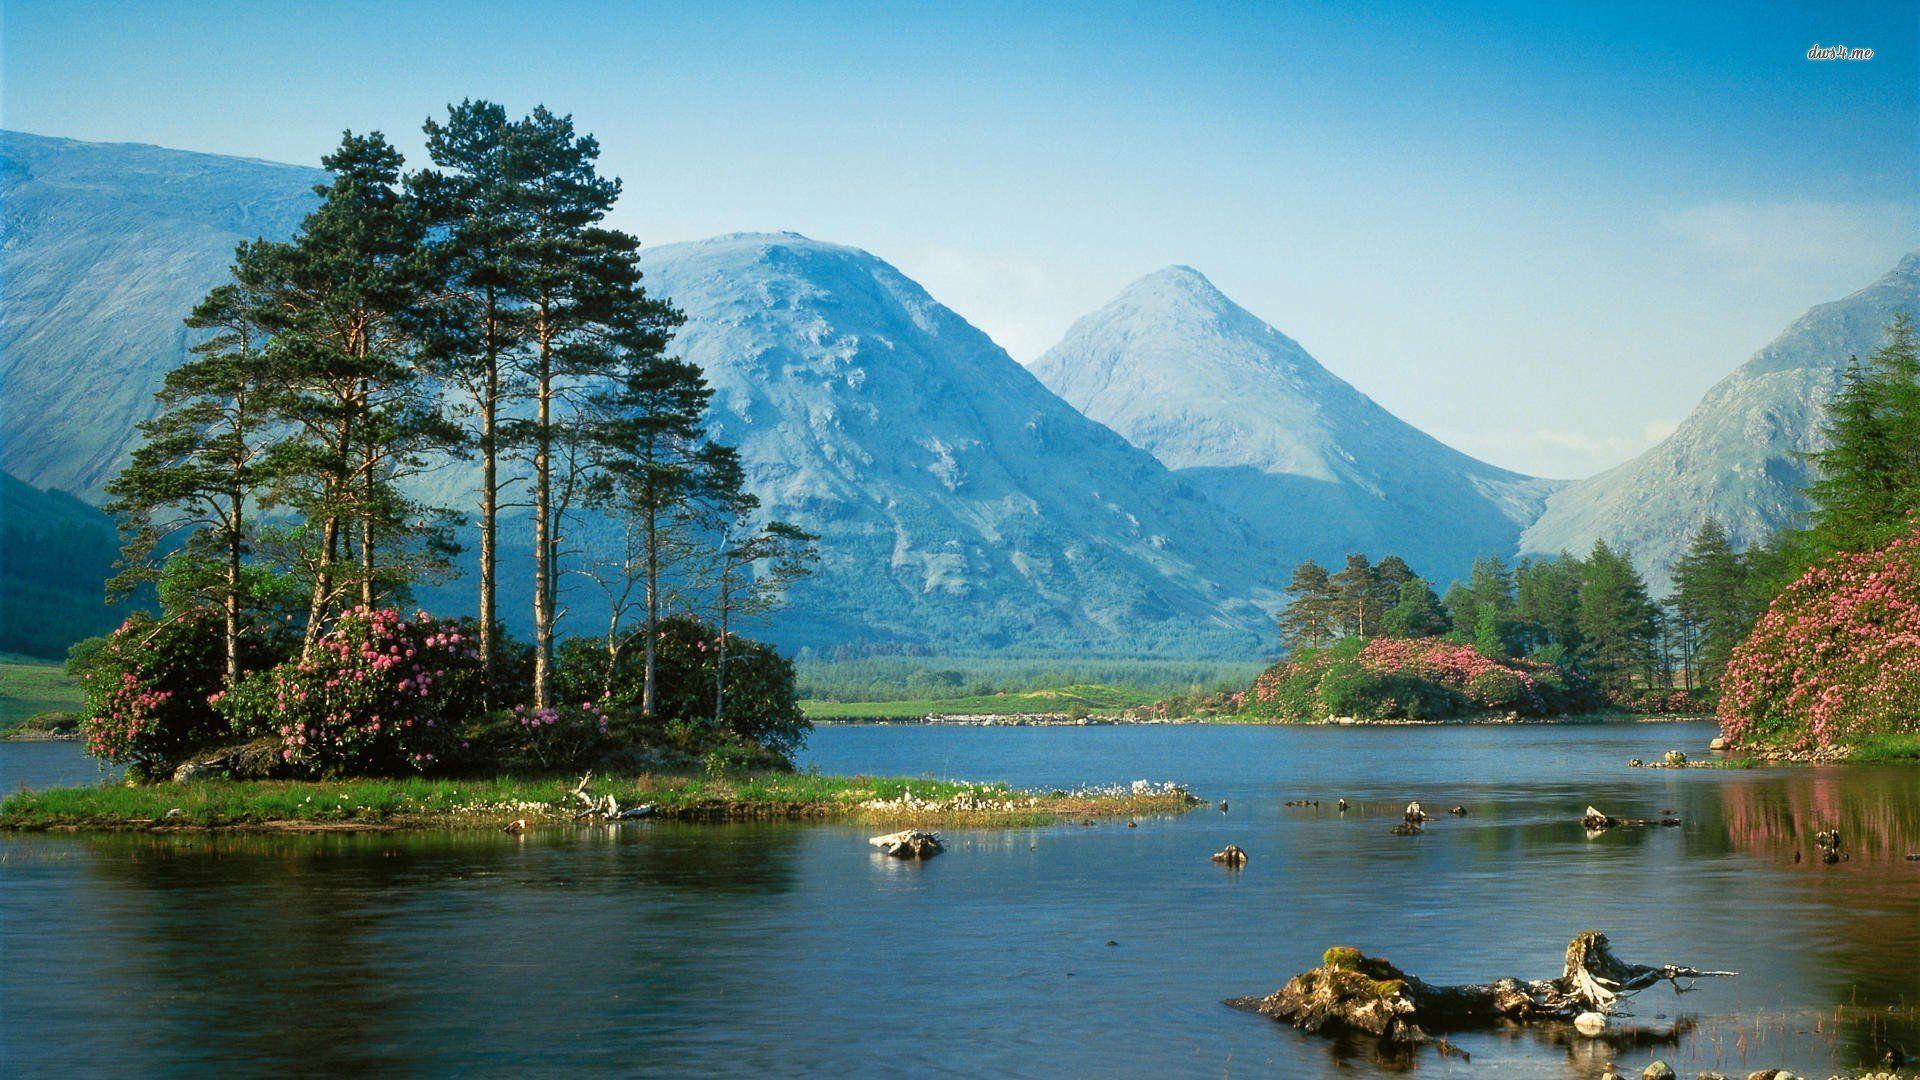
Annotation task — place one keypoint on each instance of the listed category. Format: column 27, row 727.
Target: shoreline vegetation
column 520, row 803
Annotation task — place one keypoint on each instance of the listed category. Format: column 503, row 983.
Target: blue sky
column 1538, row 231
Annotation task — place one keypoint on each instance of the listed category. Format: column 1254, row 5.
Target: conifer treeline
column 478, row 314
column 1595, row 612
column 1592, row 613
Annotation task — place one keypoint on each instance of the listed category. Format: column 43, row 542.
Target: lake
column 1067, row 950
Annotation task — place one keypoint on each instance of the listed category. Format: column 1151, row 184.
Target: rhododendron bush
column 1836, row 656
column 379, row 694
column 1425, row 678
column 147, row 685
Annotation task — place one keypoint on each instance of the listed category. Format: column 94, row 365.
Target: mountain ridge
column 1233, row 403
column 1737, row 455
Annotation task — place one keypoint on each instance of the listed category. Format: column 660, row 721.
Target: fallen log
column 908, row 844
column 1595, row 821
column 1352, row 992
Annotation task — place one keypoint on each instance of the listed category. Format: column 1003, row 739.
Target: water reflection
column 782, row 949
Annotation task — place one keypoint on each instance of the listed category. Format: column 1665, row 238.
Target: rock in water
column 908, row 844
column 1659, row 1070
column 1590, row 1023
column 1718, row 744
column 1828, row 843
column 1231, row 855
column 1673, row 757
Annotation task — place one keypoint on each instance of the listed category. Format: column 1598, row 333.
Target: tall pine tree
column 200, row 463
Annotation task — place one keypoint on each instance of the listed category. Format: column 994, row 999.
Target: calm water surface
column 794, row 949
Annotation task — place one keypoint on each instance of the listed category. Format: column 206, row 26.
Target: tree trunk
column 322, row 583
column 232, row 599
column 1355, row 993
column 720, row 661
column 653, row 610
column 489, row 512
column 543, row 533
column 366, row 544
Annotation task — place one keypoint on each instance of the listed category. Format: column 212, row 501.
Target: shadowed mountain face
column 104, row 249
column 958, row 499
column 1736, row 457
column 1312, row 464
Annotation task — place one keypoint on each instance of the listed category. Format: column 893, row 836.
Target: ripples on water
column 795, row 949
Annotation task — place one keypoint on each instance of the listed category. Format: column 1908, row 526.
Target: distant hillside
column 104, row 248
column 1313, row 465
column 56, row 554
column 960, row 501
column 1737, row 456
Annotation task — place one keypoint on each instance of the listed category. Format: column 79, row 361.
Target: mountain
column 961, row 504
column 959, row 501
column 104, row 248
column 1736, row 457
column 1246, row 415
column 56, row 554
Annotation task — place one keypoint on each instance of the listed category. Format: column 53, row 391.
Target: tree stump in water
column 1353, row 992
column 908, row 844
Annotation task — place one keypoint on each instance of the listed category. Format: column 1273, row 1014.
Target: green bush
column 150, row 688
column 762, row 707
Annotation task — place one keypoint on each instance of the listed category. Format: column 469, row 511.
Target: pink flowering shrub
column 1836, row 656
column 147, row 686
column 1413, row 679
column 378, row 695
column 552, row 738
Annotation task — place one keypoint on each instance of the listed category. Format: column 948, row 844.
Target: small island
column 518, row 803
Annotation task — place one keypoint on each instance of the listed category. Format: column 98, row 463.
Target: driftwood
column 1231, row 855
column 1356, row 993
column 909, row 844
column 605, row 807
column 1595, row 821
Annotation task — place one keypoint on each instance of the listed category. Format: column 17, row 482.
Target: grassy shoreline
column 422, row 803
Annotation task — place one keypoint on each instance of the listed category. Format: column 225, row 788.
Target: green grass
column 948, row 678
column 29, row 687
column 1066, row 699
column 429, row 803
column 1886, row 748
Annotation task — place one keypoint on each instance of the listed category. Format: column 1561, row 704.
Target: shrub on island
column 1835, row 659
column 762, row 705
column 1428, row 678
column 377, row 695
column 150, row 685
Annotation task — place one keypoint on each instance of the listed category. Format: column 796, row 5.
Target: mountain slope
column 959, row 500
column 104, row 248
column 1240, row 409
column 56, row 554
column 1735, row 457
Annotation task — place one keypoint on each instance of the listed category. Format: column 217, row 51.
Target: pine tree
column 659, row 463
column 341, row 302
column 1356, row 598
column 1867, row 481
column 1547, row 601
column 200, row 463
column 744, row 546
column 588, row 320
column 1710, row 598
column 473, row 202
column 1307, row 620
column 1416, row 612
column 1617, row 619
